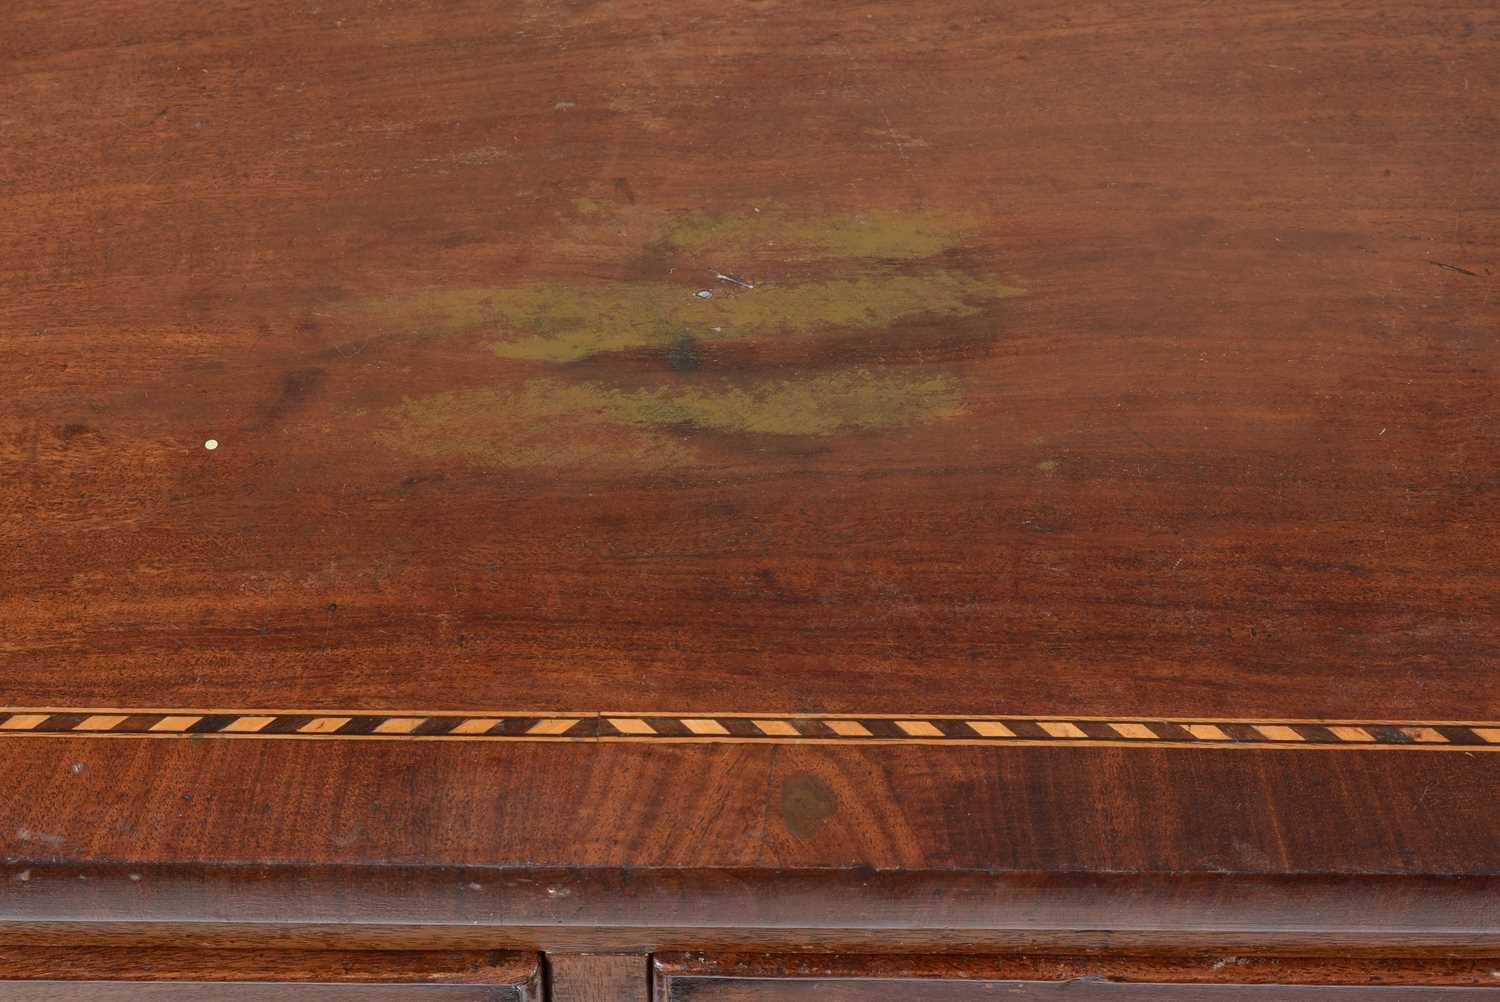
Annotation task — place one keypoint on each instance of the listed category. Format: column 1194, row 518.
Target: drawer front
column 812, row 978
column 126, row 974
column 285, row 991
column 1078, row 990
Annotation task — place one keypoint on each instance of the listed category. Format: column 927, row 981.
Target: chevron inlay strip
column 843, row 729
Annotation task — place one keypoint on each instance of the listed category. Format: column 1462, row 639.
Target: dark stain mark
column 806, row 802
column 623, row 189
column 1039, row 519
column 424, row 478
column 1454, row 267
column 297, row 388
column 348, row 838
column 460, row 239
column 298, row 385
column 68, row 432
column 683, row 356
column 778, row 591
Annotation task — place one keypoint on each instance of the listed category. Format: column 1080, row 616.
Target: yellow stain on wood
column 602, row 422
column 548, row 422
column 558, row 322
column 871, row 234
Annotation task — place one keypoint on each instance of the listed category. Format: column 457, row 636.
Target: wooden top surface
column 951, row 436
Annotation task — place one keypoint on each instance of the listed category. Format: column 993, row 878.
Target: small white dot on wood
column 211, row 444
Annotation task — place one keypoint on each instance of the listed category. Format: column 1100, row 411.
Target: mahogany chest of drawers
column 591, row 500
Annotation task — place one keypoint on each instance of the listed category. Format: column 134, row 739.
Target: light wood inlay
column 1062, row 729
column 551, row 727
column 175, row 724
column 248, row 725
column 400, row 725
column 1139, row 731
column 476, row 725
column 323, row 725
column 631, row 725
column 101, row 722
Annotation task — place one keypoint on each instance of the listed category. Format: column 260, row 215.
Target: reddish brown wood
column 42, row 973
column 598, row 977
column 1242, row 266
column 1232, row 454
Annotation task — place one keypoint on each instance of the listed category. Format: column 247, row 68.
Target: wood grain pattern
column 1122, row 362
column 1231, row 291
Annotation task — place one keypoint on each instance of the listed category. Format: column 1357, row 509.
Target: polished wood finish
column 1227, row 454
column 583, row 475
column 139, row 975
column 598, row 977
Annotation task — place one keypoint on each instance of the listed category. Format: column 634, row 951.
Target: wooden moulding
column 857, row 910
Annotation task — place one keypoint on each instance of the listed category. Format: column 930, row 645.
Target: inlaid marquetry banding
column 1205, row 732
column 399, row 725
column 323, row 725
column 475, row 725
column 175, row 724
column 999, row 730
column 1062, row 729
column 100, row 722
column 552, row 728
column 1278, row 732
column 248, row 725
column 1139, row 732
column 630, row 725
